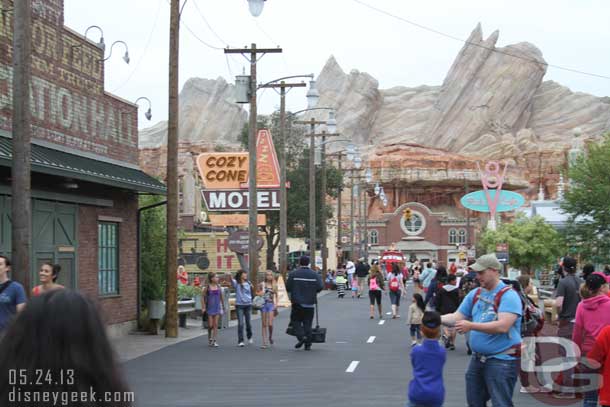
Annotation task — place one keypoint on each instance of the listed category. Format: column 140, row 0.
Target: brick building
column 85, row 174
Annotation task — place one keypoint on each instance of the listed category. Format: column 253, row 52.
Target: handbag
column 258, row 302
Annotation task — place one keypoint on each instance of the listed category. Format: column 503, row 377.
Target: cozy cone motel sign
column 225, row 177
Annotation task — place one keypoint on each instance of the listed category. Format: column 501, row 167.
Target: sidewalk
column 139, row 344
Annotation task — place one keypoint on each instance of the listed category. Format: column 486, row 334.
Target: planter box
column 197, row 300
column 156, row 309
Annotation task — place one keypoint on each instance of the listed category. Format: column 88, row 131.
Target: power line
column 208, row 24
column 199, row 39
column 150, row 35
column 492, row 49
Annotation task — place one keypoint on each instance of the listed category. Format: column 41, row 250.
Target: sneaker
column 215, row 344
column 299, row 344
column 263, row 346
column 308, row 346
column 241, row 344
column 564, row 396
column 529, row 389
column 547, row 388
column 372, row 317
column 413, row 343
column 250, row 341
column 451, row 347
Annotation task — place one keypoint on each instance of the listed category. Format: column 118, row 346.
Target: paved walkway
column 364, row 363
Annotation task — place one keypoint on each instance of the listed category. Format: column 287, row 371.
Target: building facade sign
column 68, row 103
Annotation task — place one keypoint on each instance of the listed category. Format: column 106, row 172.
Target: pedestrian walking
column 350, row 267
column 341, row 283
column 428, row 360
column 492, row 315
column 354, row 285
column 48, row 276
column 567, row 298
column 396, row 288
column 60, row 337
column 438, row 281
column 601, row 354
column 592, row 315
column 362, row 273
column 426, row 276
column 376, row 288
column 12, row 295
column 269, row 291
column 243, row 306
column 416, row 313
column 447, row 302
column 212, row 303
column 529, row 381
column 303, row 285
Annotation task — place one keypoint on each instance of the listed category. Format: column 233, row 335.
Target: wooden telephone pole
column 252, row 55
column 21, row 206
column 171, row 295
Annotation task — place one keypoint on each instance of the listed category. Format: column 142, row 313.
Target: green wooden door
column 54, row 239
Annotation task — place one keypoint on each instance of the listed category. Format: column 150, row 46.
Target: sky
column 570, row 34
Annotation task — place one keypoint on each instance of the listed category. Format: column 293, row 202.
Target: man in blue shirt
column 303, row 285
column 12, row 295
column 492, row 315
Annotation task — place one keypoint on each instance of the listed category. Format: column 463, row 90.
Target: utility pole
column 282, row 161
column 323, row 240
column 21, row 207
column 340, row 156
column 252, row 53
column 351, row 216
column 366, row 232
column 171, row 295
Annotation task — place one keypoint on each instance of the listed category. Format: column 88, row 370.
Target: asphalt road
column 192, row 374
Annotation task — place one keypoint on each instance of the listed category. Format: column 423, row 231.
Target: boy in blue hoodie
column 426, row 389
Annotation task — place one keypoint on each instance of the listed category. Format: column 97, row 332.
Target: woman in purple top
column 212, row 303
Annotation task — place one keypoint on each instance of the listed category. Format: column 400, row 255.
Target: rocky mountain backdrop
column 493, row 104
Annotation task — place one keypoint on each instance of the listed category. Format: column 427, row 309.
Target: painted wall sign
column 505, row 202
column 238, row 200
column 68, row 102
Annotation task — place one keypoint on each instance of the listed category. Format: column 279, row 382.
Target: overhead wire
column 492, row 49
column 150, row 35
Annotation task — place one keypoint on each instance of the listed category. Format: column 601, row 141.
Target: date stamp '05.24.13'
column 57, row 388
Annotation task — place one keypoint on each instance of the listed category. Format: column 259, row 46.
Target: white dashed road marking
column 352, row 366
column 382, row 322
column 371, row 339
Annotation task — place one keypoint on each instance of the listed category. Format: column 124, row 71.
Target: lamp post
column 331, row 125
column 283, row 255
column 252, row 55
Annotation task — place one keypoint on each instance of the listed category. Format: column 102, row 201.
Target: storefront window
column 108, row 258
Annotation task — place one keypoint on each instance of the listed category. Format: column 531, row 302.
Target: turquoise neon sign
column 477, row 201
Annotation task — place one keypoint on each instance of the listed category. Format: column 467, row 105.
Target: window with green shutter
column 108, row 258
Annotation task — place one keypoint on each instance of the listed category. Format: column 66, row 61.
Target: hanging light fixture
column 377, row 189
column 256, row 7
column 331, row 123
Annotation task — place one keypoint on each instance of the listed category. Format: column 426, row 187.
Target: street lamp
column 148, row 113
column 100, row 43
column 125, row 56
column 313, row 96
column 256, row 7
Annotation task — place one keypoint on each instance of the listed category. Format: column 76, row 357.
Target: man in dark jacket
column 303, row 285
column 447, row 302
column 362, row 272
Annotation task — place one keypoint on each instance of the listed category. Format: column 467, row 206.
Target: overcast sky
column 569, row 33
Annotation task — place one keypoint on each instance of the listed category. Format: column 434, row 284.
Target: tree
column 532, row 243
column 152, row 247
column 587, row 201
